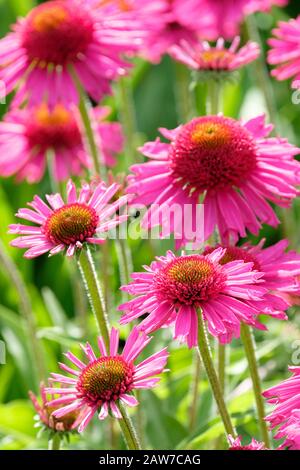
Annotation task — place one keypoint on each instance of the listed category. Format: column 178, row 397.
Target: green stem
column 184, row 97
column 128, row 430
column 212, row 375
column 54, row 443
column 84, row 109
column 95, row 295
column 128, row 119
column 214, row 89
column 26, row 310
column 221, row 365
column 249, row 345
column 94, row 292
column 195, row 392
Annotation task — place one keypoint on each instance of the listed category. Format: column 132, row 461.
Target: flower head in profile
column 286, row 414
column 219, row 59
column 31, row 136
column 64, row 424
column 280, row 268
column 236, row 444
column 68, row 225
column 231, row 167
column 100, row 384
column 173, row 289
column 59, row 39
column 284, row 52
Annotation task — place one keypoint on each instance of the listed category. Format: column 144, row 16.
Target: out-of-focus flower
column 236, row 444
column 68, row 226
column 179, row 21
column 233, row 168
column 28, row 137
column 205, row 57
column 99, row 385
column 173, row 288
column 63, row 424
column 284, row 51
column 225, row 17
column 286, row 414
column 280, row 269
column 56, row 37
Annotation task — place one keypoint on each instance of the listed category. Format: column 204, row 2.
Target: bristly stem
column 196, row 370
column 26, row 309
column 221, row 365
column 249, row 345
column 128, row 430
column 94, row 292
column 212, row 375
column 54, row 442
column 84, row 109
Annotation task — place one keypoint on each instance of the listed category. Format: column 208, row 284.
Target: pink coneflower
column 173, row 288
column 280, row 269
column 67, row 226
column 286, row 415
column 233, row 168
column 179, row 21
column 63, row 424
column 29, row 136
column 290, row 432
column 99, row 385
column 227, row 16
column 285, row 51
column 56, row 36
column 236, row 444
column 203, row 56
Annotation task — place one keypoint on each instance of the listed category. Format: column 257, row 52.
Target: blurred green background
column 61, row 312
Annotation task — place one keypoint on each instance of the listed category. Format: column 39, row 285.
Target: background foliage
column 62, row 314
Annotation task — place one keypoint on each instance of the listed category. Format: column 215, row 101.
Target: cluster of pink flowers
column 286, row 415
column 66, row 51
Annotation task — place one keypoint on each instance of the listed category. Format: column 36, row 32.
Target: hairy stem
column 249, row 345
column 94, row 292
column 128, row 430
column 212, row 375
column 195, row 392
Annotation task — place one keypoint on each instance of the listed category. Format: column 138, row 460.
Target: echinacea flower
column 236, row 444
column 30, row 136
column 233, row 168
column 179, row 21
column 290, row 432
column 99, row 385
column 280, row 268
column 173, row 289
column 219, row 58
column 58, row 39
column 64, row 424
column 284, row 52
column 286, row 414
column 227, row 16
column 68, row 226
